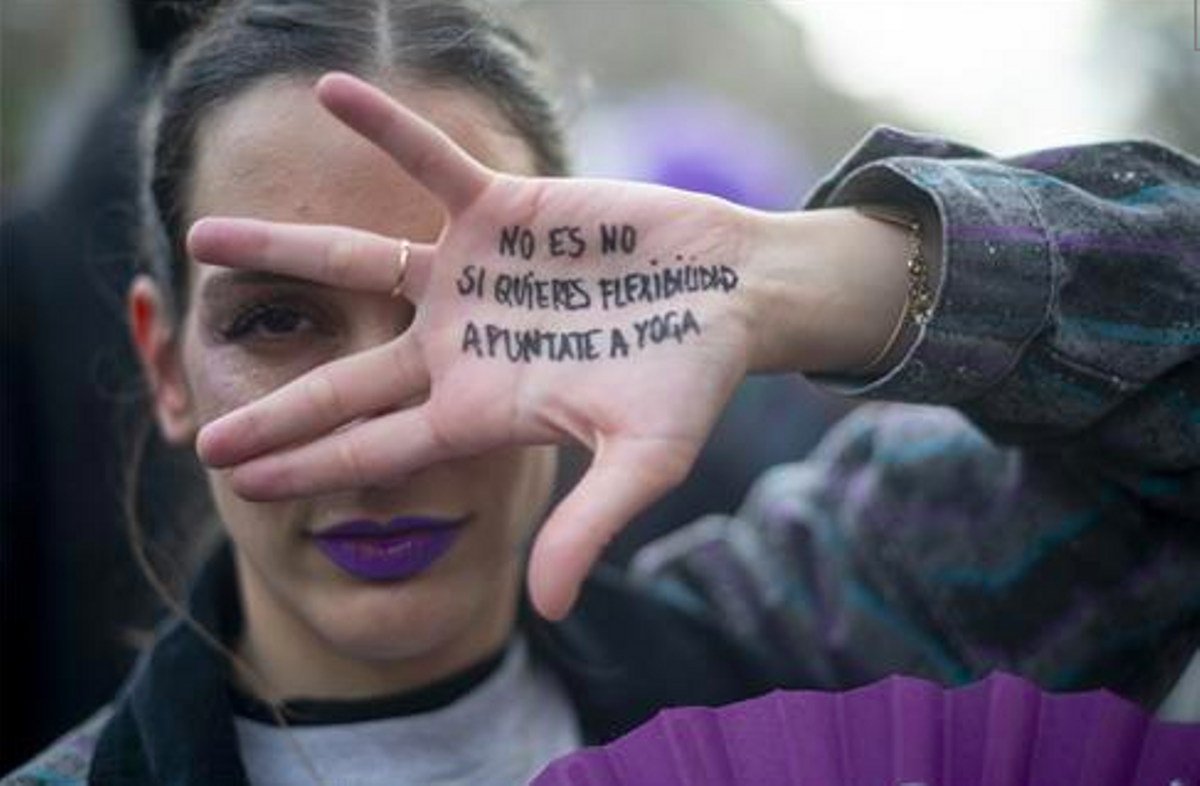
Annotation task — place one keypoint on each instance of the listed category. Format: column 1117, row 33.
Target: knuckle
column 249, row 430
column 323, row 395
column 340, row 258
column 350, row 458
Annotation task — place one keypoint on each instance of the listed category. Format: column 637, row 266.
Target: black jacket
column 621, row 655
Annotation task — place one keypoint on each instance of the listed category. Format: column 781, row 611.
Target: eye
column 268, row 322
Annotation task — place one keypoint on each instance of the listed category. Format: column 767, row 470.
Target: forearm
column 828, row 287
column 1069, row 280
column 1064, row 308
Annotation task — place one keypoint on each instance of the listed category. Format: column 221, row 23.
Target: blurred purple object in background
column 687, row 139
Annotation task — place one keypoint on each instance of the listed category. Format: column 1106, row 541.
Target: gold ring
column 402, row 267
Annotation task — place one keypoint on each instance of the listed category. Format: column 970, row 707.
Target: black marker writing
column 665, row 327
column 664, row 283
column 617, row 345
column 517, row 240
column 471, row 281
column 527, row 291
column 614, row 238
column 525, row 346
column 567, row 242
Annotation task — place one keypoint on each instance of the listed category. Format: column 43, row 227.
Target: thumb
column 625, row 477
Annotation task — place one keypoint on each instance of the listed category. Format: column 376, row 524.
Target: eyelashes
column 271, row 322
column 280, row 321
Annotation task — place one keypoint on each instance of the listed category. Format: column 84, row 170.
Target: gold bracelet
column 919, row 302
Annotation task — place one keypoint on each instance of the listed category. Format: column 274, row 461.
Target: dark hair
column 439, row 43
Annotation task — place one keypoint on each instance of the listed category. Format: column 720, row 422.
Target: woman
column 375, row 363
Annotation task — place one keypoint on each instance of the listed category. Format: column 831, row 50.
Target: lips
column 389, row 551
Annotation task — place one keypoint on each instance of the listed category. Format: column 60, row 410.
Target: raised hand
column 608, row 313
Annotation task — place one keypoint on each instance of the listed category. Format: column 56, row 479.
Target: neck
column 292, row 660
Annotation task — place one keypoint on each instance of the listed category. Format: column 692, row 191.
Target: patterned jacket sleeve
column 66, row 761
column 1044, row 516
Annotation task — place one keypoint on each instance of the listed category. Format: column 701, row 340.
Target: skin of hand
column 815, row 291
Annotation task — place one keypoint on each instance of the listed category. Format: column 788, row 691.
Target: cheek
column 523, row 478
column 250, row 523
column 223, row 378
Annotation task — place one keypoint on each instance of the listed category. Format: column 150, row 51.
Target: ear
column 159, row 353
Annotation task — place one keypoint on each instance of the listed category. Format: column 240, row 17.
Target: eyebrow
column 219, row 285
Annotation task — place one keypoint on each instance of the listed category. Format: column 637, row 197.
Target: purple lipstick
column 402, row 547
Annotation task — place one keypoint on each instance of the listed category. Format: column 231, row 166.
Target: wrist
column 826, row 289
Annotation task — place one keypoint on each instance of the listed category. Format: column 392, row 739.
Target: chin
column 398, row 620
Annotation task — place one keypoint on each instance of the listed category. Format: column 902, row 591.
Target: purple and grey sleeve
column 1035, row 504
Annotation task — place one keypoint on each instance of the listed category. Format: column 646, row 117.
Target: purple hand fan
column 901, row 731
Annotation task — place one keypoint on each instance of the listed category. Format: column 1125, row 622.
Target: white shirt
column 501, row 733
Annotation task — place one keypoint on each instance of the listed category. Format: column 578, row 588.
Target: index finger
column 419, row 147
column 331, row 255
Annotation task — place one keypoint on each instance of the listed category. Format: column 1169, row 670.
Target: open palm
column 549, row 310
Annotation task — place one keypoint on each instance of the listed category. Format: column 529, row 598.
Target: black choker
column 323, row 712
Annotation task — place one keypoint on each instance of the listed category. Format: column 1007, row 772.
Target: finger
column 375, row 453
column 625, row 478
column 333, row 255
column 327, row 397
column 421, row 148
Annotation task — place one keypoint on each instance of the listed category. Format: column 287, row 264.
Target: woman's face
column 274, row 153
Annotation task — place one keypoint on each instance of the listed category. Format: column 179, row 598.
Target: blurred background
column 748, row 99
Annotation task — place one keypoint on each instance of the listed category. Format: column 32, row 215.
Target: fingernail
column 206, row 445
column 216, row 444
